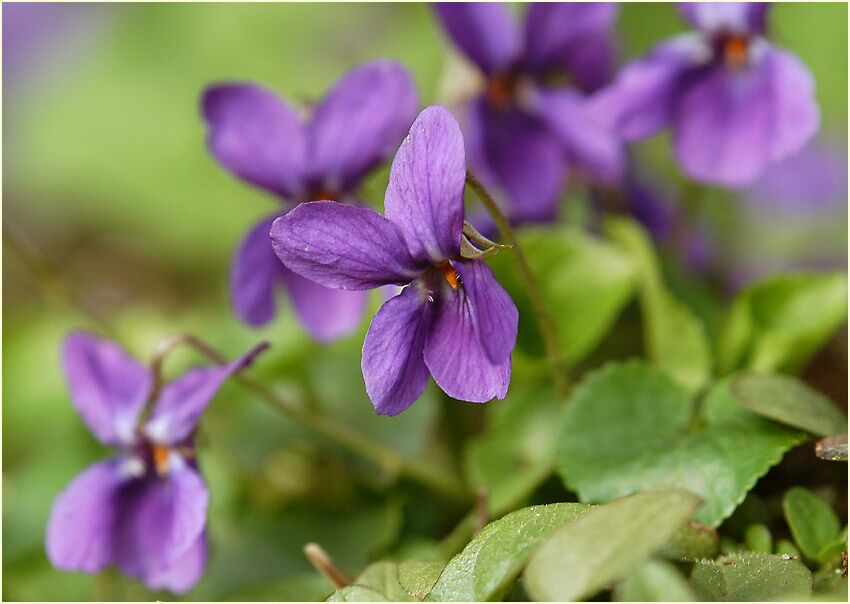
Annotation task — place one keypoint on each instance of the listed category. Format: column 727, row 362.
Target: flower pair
column 530, row 123
column 453, row 320
column 143, row 510
column 263, row 141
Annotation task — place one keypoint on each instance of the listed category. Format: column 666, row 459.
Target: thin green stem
column 433, row 477
column 545, row 321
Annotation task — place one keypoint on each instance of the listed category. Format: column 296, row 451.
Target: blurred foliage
column 111, row 199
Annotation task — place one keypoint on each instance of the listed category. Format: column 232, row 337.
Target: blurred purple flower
column 529, row 124
column 144, row 509
column 811, row 181
column 263, row 141
column 453, row 320
column 735, row 102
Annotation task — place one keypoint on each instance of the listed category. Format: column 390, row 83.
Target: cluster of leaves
column 660, row 452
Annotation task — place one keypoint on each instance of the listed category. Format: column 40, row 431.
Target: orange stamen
column 160, row 459
column 451, row 275
column 735, row 50
column 499, row 91
column 323, row 194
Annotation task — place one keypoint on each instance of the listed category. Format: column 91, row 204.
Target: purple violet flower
column 144, row 509
column 735, row 102
column 529, row 125
column 263, row 141
column 453, row 320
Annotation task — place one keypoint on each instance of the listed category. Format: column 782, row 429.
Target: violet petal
column 575, row 36
column 182, row 401
column 360, row 123
column 161, row 521
column 642, row 99
column 255, row 275
column 484, row 31
column 80, row 532
column 591, row 147
column 108, row 388
column 342, row 246
column 718, row 17
column 514, row 152
column 256, row 136
column 495, row 316
column 455, row 357
column 327, row 313
column 393, row 366
column 424, row 197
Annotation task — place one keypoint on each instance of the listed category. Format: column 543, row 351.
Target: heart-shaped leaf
column 630, row 428
column 788, row 400
column 486, row 567
column 751, row 577
column 606, row 544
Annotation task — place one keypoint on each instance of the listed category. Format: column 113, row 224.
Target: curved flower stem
column 545, row 320
column 434, row 477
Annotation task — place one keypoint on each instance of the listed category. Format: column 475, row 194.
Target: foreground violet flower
column 735, row 102
column 530, row 123
column 143, row 510
column 263, row 141
column 453, row 320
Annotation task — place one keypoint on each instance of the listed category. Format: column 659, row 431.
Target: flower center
column 322, row 193
column 160, row 455
column 499, row 91
column 735, row 47
column 450, row 274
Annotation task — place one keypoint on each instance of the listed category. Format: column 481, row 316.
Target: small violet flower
column 453, row 320
column 262, row 140
column 529, row 124
column 144, row 509
column 735, row 102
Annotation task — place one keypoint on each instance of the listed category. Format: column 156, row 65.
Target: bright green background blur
column 109, row 191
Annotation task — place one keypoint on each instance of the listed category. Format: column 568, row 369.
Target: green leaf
column 587, row 282
column 605, row 545
column 789, row 401
column 417, row 577
column 830, row 584
column 654, row 581
column 357, row 593
column 778, row 323
column 486, row 567
column 692, row 542
column 748, row 576
column 517, row 451
column 383, row 578
column 812, row 522
column 675, row 338
column 628, row 428
column 758, row 538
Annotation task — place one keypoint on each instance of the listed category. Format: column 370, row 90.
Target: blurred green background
column 111, row 199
